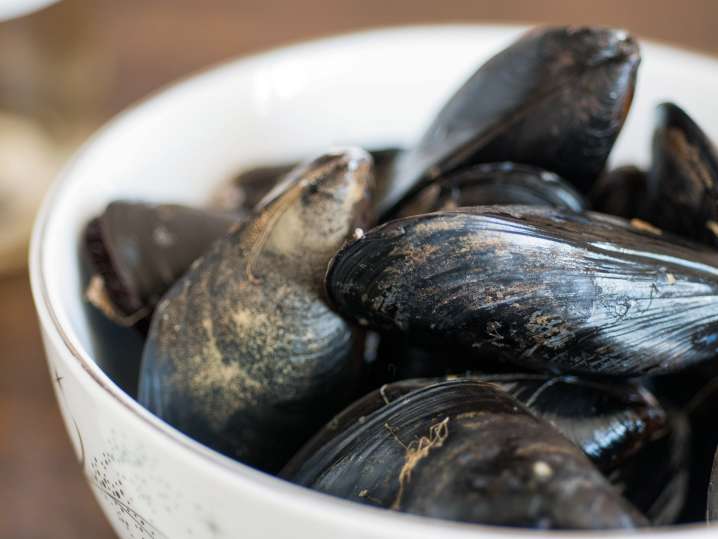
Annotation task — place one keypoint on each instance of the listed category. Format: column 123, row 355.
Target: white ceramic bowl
column 374, row 88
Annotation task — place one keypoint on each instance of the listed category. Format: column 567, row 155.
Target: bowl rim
column 323, row 506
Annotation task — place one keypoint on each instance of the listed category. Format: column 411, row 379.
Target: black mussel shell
column 701, row 412
column 355, row 414
column 655, row 479
column 494, row 183
column 556, row 98
column 713, row 492
column 137, row 251
column 622, row 192
column 465, row 450
column 683, row 180
column 244, row 192
column 546, row 288
column 611, row 423
column 694, row 391
column 243, row 354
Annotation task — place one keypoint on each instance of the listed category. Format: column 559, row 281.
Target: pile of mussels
column 495, row 352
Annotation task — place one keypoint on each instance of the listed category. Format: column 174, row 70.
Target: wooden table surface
column 42, row 493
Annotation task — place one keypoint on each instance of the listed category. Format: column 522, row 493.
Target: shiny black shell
column 610, row 422
column 137, row 251
column 548, row 289
column 465, row 450
column 683, row 180
column 701, row 410
column 655, row 479
column 556, row 98
column 494, row 183
column 694, row 393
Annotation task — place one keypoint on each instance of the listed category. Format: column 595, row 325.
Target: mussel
column 523, row 361
column 701, row 411
column 546, row 288
column 494, row 183
column 622, row 192
column 465, row 450
column 683, row 180
column 556, row 98
column 137, row 251
column 655, row 479
column 243, row 354
column 611, row 423
column 693, row 392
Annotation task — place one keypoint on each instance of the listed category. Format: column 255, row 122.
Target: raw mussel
column 655, row 479
column 243, row 354
column 694, row 393
column 622, row 428
column 556, row 98
column 611, row 423
column 622, row 192
column 683, row 180
column 137, row 251
column 465, row 450
column 701, row 411
column 494, row 183
column 546, row 288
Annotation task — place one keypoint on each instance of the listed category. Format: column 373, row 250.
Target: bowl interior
column 375, row 88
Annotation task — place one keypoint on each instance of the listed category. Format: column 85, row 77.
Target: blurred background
column 68, row 67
